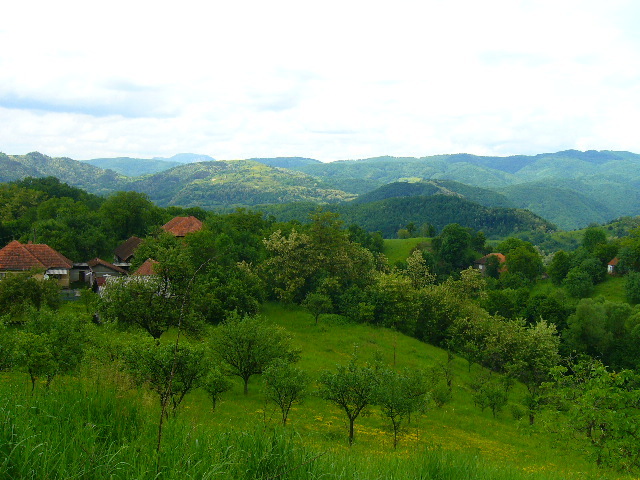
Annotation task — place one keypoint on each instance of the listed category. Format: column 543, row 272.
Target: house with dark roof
column 123, row 254
column 182, row 226
column 19, row 257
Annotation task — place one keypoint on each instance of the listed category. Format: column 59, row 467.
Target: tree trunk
column 246, row 386
column 350, row 431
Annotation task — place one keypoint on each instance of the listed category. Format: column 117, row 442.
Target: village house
column 612, row 266
column 481, row 263
column 182, row 226
column 123, row 254
column 19, row 257
column 147, row 268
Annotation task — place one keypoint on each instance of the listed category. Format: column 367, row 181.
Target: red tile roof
column 614, row 262
column 484, row 259
column 125, row 250
column 147, row 268
column 181, row 226
column 19, row 256
column 99, row 261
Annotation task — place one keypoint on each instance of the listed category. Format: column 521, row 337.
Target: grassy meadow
column 99, row 426
column 398, row 249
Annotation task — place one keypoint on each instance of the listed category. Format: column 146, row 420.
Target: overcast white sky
column 324, row 79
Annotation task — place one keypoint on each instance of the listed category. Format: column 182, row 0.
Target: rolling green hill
column 78, row 174
column 483, row 196
column 570, row 188
column 390, row 215
column 234, row 183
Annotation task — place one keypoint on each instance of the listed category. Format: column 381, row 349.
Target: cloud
column 332, row 80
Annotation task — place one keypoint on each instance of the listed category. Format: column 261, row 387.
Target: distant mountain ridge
column 569, row 188
column 135, row 167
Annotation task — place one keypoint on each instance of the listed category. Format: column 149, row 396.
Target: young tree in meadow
column 285, row 385
column 399, row 395
column 215, row 384
column 248, row 345
column 142, row 302
column 50, row 344
column 490, row 391
column 317, row 304
column 533, row 362
column 351, row 388
column 33, row 355
column 171, row 372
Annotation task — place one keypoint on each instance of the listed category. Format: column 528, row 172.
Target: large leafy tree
column 521, row 260
column 129, row 213
column 453, row 246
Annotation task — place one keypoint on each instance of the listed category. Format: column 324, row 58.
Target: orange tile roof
column 483, row 260
column 181, row 226
column 19, row 256
column 614, row 261
column 147, row 268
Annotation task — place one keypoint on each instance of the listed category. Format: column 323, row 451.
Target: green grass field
column 398, row 249
column 457, row 441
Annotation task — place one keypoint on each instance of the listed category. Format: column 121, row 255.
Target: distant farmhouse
column 481, row 263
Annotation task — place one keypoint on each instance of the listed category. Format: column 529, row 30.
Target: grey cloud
column 126, row 101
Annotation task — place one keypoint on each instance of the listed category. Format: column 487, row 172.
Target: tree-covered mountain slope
column 483, row 196
column 234, row 183
column 73, row 172
column 389, row 215
column 570, row 188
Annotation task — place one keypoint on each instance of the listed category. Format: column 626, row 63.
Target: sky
column 324, row 79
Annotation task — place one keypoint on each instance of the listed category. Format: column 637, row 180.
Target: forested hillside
column 570, row 189
column 390, row 215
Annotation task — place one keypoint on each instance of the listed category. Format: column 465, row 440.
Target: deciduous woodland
column 241, row 345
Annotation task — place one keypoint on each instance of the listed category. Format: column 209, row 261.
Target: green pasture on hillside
column 457, row 441
column 399, row 249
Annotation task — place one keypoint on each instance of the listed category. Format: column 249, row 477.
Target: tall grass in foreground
column 88, row 433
